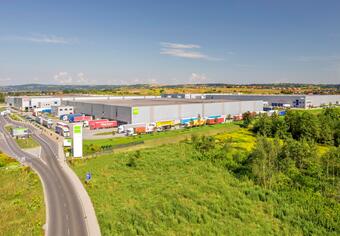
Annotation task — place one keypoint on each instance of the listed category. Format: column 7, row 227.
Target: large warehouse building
column 26, row 103
column 151, row 110
column 298, row 101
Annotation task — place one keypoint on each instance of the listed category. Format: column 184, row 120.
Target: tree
column 326, row 135
column 303, row 125
column 247, row 119
column 263, row 125
column 279, row 127
column 263, row 160
column 337, row 134
column 299, row 161
column 331, row 165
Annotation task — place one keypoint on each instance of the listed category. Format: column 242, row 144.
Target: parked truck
column 164, row 125
column 39, row 119
column 47, row 123
column 62, row 124
column 62, row 130
column 134, row 129
column 185, row 121
column 78, row 118
column 195, row 123
column 81, row 118
column 103, row 124
column 123, row 128
column 214, row 121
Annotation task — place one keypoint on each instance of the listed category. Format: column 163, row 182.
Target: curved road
column 65, row 214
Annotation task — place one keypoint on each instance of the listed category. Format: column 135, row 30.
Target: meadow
column 167, row 190
column 22, row 203
column 164, row 191
column 154, row 139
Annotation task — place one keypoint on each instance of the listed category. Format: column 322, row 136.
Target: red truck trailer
column 215, row 121
column 91, row 122
column 103, row 124
column 82, row 118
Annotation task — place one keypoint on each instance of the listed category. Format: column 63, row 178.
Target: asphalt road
column 65, row 214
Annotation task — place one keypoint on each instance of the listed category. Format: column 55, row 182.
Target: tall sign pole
column 77, row 140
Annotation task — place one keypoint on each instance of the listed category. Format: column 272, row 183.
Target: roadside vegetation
column 23, row 143
column 15, row 117
column 105, row 133
column 9, row 128
column 267, row 176
column 26, row 143
column 22, row 204
column 152, row 140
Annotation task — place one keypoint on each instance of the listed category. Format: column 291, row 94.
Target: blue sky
column 169, row 42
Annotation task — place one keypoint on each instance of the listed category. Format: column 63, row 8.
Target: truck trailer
column 103, row 124
column 47, row 123
column 63, row 131
column 132, row 129
column 213, row 121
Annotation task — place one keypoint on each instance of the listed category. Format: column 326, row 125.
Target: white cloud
column 179, row 46
column 4, row 80
column 184, row 51
column 41, row 38
column 63, row 78
column 66, row 78
column 198, row 78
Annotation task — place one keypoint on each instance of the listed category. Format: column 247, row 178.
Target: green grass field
column 104, row 133
column 315, row 111
column 22, row 204
column 167, row 192
column 27, row 143
column 156, row 139
column 15, row 117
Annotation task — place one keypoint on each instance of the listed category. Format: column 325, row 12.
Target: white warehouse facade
column 298, row 101
column 151, row 110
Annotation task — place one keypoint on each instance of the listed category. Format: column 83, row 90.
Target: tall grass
column 22, row 204
column 165, row 191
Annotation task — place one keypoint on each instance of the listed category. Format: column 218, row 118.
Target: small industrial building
column 20, row 132
column 298, row 101
column 26, row 103
column 151, row 110
column 59, row 111
column 184, row 95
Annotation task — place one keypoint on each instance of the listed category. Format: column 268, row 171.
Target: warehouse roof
column 153, row 102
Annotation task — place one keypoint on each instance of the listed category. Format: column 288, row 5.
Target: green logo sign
column 77, row 129
column 135, row 111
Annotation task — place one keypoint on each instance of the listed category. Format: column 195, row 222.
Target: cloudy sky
column 169, row 42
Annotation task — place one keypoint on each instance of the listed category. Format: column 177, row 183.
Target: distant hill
column 56, row 88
